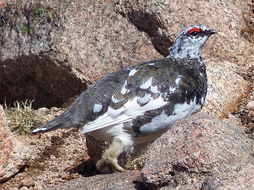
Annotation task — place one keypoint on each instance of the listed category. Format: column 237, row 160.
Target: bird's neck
column 184, row 50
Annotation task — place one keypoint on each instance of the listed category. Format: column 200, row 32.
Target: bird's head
column 190, row 42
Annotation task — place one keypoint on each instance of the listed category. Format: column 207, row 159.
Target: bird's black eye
column 194, row 33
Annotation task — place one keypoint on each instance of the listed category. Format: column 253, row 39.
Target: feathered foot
column 109, row 160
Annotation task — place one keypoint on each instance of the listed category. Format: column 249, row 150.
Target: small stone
column 42, row 111
column 52, row 157
column 24, row 188
column 250, row 105
column 27, row 182
column 251, row 113
column 32, row 143
column 38, row 184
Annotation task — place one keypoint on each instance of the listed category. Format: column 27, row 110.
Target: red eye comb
column 194, row 30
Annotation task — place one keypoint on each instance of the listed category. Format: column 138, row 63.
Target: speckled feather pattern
column 149, row 82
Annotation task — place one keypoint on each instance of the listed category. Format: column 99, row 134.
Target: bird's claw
column 108, row 164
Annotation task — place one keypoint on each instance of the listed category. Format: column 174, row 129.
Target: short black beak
column 210, row 32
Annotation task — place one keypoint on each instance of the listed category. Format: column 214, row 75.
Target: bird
column 135, row 105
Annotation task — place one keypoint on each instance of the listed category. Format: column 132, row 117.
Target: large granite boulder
column 200, row 152
column 13, row 154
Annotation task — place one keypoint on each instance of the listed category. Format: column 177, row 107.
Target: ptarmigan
column 135, row 105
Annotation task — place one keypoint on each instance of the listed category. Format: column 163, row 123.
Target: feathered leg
column 110, row 155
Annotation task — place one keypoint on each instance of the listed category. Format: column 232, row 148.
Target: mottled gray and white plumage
column 135, row 105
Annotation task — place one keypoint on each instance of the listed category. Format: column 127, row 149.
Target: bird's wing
column 123, row 96
column 144, row 90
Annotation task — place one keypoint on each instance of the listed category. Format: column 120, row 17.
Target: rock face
column 226, row 89
column 55, row 48
column 230, row 18
column 200, row 153
column 119, row 181
column 13, row 155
